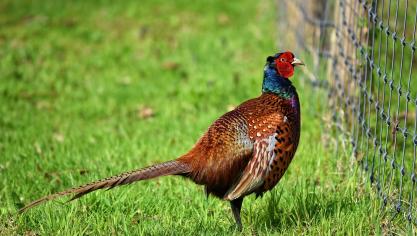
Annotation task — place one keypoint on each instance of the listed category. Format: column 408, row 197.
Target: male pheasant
column 245, row 151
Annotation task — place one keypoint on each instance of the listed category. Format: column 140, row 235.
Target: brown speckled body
column 225, row 152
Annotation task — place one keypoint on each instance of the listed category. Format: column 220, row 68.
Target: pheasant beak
column 297, row 62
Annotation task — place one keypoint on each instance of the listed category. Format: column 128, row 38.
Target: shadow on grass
column 302, row 206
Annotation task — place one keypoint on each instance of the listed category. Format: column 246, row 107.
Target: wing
column 221, row 154
column 257, row 168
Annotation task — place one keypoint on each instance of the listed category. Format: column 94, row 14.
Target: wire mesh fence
column 364, row 50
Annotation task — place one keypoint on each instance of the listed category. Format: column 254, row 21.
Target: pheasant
column 245, row 151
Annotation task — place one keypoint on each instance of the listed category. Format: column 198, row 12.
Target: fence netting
column 363, row 57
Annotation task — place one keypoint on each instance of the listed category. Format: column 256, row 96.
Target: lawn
column 89, row 89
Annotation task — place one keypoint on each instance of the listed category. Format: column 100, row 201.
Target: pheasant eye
column 282, row 59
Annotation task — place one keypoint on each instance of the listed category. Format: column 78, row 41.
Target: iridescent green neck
column 273, row 83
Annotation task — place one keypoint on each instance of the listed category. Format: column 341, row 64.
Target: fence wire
column 368, row 49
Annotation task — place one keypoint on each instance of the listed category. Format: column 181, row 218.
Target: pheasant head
column 278, row 69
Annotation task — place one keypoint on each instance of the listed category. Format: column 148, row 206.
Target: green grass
column 74, row 80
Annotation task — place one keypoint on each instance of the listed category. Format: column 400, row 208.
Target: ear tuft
column 270, row 59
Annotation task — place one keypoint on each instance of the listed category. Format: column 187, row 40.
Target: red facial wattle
column 284, row 66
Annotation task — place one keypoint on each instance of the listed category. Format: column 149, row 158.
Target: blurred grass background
column 89, row 89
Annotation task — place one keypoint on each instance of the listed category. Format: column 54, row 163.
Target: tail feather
column 166, row 168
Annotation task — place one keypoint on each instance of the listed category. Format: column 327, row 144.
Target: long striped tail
column 166, row 168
